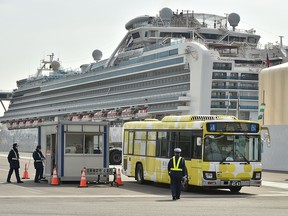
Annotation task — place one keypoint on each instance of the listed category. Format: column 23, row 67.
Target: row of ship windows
column 234, row 86
column 106, row 83
column 242, row 76
column 150, row 57
column 230, row 38
column 120, row 80
column 106, row 75
column 105, row 98
column 153, row 83
column 143, row 76
column 111, row 98
column 222, row 66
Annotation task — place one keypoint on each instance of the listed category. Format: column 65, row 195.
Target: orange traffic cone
column 25, row 174
column 55, row 180
column 118, row 178
column 83, row 182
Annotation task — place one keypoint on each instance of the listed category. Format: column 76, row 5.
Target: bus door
column 194, row 171
column 50, row 154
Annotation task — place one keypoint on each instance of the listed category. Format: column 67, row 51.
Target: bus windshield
column 232, row 148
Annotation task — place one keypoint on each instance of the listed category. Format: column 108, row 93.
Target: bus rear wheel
column 139, row 174
column 235, row 189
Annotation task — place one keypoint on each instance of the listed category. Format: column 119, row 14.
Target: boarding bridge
column 5, row 96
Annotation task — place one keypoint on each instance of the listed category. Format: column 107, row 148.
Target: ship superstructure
column 172, row 63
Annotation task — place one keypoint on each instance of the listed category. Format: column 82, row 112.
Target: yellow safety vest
column 176, row 166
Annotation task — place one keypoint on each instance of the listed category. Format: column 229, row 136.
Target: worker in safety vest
column 38, row 164
column 13, row 159
column 177, row 171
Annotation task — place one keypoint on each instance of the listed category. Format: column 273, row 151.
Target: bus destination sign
column 239, row 127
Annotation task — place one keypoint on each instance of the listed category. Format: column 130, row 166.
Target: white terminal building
column 273, row 93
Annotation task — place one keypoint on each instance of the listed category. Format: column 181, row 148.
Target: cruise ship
column 174, row 63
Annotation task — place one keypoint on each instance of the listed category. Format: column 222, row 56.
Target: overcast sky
column 72, row 29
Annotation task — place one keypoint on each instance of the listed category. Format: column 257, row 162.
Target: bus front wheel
column 139, row 174
column 235, row 189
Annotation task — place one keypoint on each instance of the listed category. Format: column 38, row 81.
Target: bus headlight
column 209, row 175
column 257, row 175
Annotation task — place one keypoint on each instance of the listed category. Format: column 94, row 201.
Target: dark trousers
column 39, row 173
column 16, row 174
column 176, row 179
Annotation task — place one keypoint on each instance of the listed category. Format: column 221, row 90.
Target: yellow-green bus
column 220, row 151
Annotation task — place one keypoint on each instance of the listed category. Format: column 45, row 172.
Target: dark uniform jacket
column 38, row 157
column 13, row 158
column 181, row 166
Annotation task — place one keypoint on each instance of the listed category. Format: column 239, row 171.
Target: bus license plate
column 235, row 183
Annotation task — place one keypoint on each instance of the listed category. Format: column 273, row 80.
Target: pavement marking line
column 83, row 196
column 275, row 184
column 273, row 195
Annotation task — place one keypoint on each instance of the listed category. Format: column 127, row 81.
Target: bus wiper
column 221, row 162
column 246, row 160
column 224, row 159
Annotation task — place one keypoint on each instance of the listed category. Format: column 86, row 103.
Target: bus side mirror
column 266, row 136
column 199, row 141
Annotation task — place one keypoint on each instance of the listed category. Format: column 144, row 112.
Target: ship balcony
column 249, row 88
column 235, row 78
column 225, row 97
column 242, row 108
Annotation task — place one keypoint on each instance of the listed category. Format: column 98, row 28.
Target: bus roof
column 189, row 118
column 180, row 122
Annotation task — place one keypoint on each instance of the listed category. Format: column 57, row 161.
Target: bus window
column 182, row 140
column 185, row 143
column 197, row 148
column 174, row 138
column 130, row 142
column 162, row 148
column 151, row 143
column 237, row 148
column 125, row 143
column 140, row 143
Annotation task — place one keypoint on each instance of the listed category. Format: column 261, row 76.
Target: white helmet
column 177, row 150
